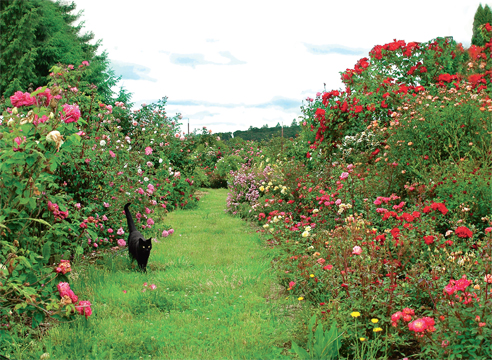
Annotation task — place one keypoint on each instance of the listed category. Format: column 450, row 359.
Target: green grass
column 215, row 299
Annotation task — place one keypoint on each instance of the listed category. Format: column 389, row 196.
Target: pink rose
column 63, row 289
column 148, row 150
column 120, row 231
column 121, row 242
column 84, row 308
column 22, row 99
column 357, row 250
column 165, row 233
column 71, row 113
column 18, row 140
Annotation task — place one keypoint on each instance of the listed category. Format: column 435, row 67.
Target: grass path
column 212, row 277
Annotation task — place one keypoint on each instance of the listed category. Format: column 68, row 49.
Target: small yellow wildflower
column 355, row 314
column 312, row 275
column 374, row 321
column 378, row 329
column 262, row 188
column 300, row 298
column 362, row 339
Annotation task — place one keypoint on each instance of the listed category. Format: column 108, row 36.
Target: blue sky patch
column 334, row 49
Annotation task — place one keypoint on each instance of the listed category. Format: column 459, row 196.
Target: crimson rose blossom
column 429, row 239
column 463, row 232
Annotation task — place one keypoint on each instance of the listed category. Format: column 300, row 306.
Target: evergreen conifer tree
column 18, row 22
column 38, row 34
column 483, row 15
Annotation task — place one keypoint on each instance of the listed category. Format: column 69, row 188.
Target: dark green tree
column 18, row 23
column 483, row 15
column 38, row 34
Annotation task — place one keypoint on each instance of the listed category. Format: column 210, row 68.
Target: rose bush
column 388, row 213
column 67, row 168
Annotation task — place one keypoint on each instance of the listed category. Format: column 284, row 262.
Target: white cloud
column 263, row 41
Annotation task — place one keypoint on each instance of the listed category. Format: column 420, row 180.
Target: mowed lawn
column 215, row 297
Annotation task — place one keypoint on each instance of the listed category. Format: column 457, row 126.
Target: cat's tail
column 129, row 219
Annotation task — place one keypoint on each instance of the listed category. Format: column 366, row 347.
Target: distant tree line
column 263, row 133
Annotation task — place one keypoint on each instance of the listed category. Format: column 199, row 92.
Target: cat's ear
column 149, row 239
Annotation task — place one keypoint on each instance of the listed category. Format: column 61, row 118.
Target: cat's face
column 145, row 245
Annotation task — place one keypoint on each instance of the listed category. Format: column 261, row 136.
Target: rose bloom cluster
column 419, row 325
column 68, row 297
column 59, row 215
column 64, row 267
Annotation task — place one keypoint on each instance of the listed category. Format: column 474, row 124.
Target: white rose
column 102, row 143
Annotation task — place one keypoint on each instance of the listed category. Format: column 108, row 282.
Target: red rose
column 444, row 77
column 344, row 107
column 463, row 232
column 429, row 239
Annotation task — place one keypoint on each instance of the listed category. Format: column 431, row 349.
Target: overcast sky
column 230, row 64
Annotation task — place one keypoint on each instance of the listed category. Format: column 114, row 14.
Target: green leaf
column 32, row 203
column 44, row 222
column 37, row 319
column 53, row 165
column 46, row 251
column 38, row 91
column 26, row 262
column 303, row 354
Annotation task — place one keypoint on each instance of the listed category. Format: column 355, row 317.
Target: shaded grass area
column 213, row 277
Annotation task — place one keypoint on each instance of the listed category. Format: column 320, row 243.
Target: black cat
column 138, row 247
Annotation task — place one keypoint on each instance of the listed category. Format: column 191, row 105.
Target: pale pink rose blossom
column 357, row 250
column 344, row 175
